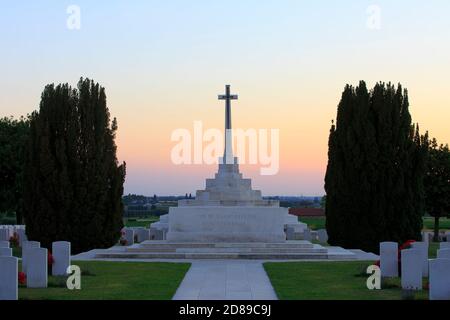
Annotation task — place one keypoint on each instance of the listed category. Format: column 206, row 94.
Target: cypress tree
column 374, row 178
column 73, row 182
column 437, row 183
column 13, row 141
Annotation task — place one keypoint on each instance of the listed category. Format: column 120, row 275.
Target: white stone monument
column 423, row 247
column 61, row 257
column 8, row 278
column 443, row 254
column 439, row 279
column 389, row 259
column 411, row 269
column 228, row 210
column 37, row 269
column 27, row 246
column 5, row 252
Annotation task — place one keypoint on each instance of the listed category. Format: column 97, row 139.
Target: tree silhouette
column 73, row 182
column 376, row 163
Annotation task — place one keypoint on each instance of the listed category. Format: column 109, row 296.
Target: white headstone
column 440, row 279
column 143, row 234
column 22, row 236
column 423, row 247
column 323, row 235
column 4, row 244
column 157, row 234
column 4, row 234
column 8, row 278
column 27, row 246
column 37, row 271
column 443, row 254
column 5, row 252
column 389, row 259
column 129, row 236
column 411, row 269
column 445, row 245
column 427, row 236
column 290, row 233
column 61, row 257
column 307, row 235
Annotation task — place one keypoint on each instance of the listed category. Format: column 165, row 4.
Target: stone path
column 226, row 280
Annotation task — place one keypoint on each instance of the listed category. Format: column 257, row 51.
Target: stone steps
column 290, row 250
column 169, row 245
column 226, row 250
column 224, row 256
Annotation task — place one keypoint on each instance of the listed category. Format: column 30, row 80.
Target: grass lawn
column 428, row 223
column 329, row 281
column 432, row 249
column 102, row 280
column 314, row 223
column 140, row 222
column 17, row 252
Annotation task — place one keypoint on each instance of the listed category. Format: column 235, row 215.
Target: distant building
column 307, row 212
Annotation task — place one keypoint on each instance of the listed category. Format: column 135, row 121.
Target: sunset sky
column 163, row 63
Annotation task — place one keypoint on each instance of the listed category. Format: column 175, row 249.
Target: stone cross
column 228, row 153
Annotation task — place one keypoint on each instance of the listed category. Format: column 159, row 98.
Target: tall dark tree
column 376, row 162
column 437, row 183
column 73, row 182
column 13, row 140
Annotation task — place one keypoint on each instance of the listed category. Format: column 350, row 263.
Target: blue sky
column 163, row 62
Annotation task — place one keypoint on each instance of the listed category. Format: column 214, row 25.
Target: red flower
column 14, row 240
column 50, row 259
column 407, row 244
column 22, row 277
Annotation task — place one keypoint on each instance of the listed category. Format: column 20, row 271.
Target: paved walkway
column 226, row 280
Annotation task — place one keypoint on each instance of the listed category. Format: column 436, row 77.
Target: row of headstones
column 8, row 231
column 307, row 234
column 34, row 266
column 141, row 234
column 428, row 236
column 415, row 265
